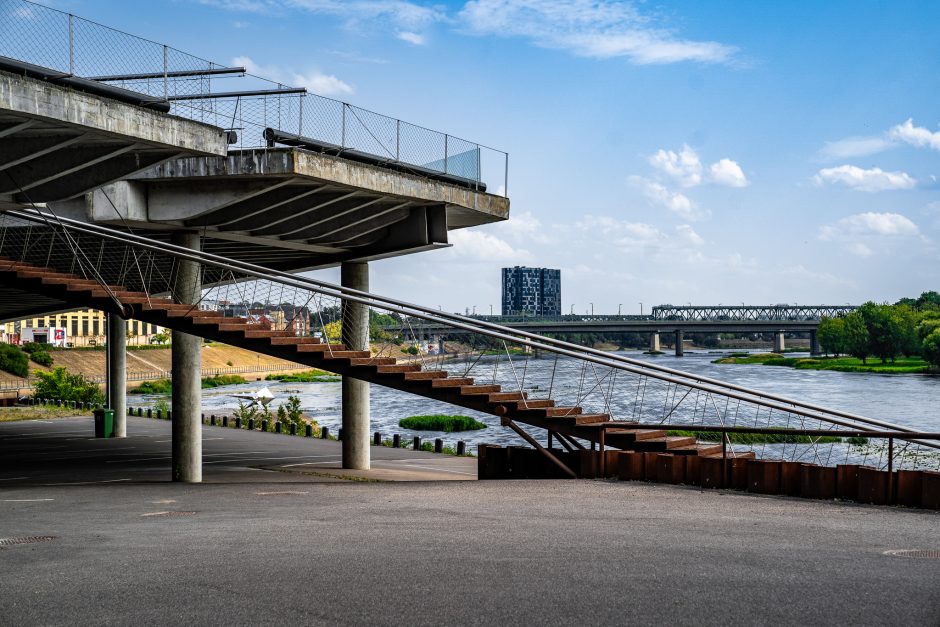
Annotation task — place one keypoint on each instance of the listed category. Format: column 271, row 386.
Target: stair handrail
column 663, row 373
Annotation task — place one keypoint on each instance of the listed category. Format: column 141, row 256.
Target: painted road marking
column 25, row 500
column 253, row 459
column 149, row 459
column 13, row 478
column 88, row 482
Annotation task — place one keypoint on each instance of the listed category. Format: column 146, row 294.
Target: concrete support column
column 356, row 454
column 654, row 342
column 680, row 338
column 187, row 372
column 117, row 373
column 778, row 342
column 814, row 347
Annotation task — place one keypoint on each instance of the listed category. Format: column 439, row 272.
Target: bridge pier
column 814, row 348
column 187, row 372
column 356, row 454
column 654, row 342
column 117, row 373
column 779, row 345
column 680, row 338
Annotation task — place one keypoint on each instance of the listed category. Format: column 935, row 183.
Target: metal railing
column 232, row 98
column 572, row 376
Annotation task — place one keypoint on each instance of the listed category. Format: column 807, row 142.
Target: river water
column 906, row 399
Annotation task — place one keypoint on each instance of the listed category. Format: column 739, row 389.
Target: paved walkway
column 261, row 547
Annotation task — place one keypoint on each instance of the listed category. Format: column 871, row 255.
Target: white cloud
column 317, row 82
column 859, row 249
column 684, row 166
column 676, row 202
column 638, row 236
column 590, row 29
column 480, row 246
column 412, row 38
column 728, row 172
column 872, row 180
column 870, row 224
column 915, row 135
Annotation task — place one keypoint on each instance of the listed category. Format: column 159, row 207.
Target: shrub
column 13, row 360
column 60, row 384
column 222, row 379
column 41, row 357
column 160, row 386
column 31, row 347
column 309, row 376
column 412, row 350
column 440, row 422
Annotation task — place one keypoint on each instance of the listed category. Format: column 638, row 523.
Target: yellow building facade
column 83, row 327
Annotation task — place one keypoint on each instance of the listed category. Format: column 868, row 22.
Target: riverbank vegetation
column 165, row 386
column 14, row 361
column 308, row 376
column 910, row 327
column 62, row 385
column 441, row 422
column 35, row 412
column 901, row 365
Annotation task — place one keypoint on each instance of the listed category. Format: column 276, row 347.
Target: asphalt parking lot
column 107, row 540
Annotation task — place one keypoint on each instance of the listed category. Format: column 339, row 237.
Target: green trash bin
column 104, row 423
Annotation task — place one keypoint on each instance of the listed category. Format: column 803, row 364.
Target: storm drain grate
column 25, row 540
column 918, row 553
column 168, row 514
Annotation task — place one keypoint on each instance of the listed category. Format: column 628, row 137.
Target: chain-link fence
column 233, row 99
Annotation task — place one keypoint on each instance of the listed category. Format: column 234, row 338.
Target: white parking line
column 150, row 459
column 13, row 478
column 25, row 500
column 254, row 459
column 87, row 482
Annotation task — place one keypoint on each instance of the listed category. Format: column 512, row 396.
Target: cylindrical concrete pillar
column 187, row 372
column 779, row 345
column 680, row 339
column 117, row 372
column 654, row 342
column 355, row 431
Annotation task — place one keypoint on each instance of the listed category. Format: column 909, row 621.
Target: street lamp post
column 572, row 309
column 618, row 308
column 491, row 310
column 641, row 309
column 592, row 309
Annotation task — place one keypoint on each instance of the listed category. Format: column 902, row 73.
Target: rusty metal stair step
column 483, row 389
column 372, row 361
column 549, row 412
column 579, row 420
column 399, row 368
column 702, row 450
column 425, row 375
column 320, row 348
column 662, row 444
column 633, row 435
column 451, row 382
column 295, row 339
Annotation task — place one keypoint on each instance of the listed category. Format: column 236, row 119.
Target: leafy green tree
column 884, row 330
column 855, row 336
column 61, row 384
column 928, row 301
column 930, row 347
column 831, row 335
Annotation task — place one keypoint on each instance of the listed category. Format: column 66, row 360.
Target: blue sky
column 660, row 152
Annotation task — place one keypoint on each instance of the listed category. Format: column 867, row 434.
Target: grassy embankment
column 902, row 365
column 165, row 386
column 11, row 414
column 308, row 376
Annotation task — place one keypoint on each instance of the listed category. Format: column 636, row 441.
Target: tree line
column 909, row 327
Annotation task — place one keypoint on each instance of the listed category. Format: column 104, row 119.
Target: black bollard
column 277, row 426
column 238, row 423
column 377, row 439
column 130, row 411
column 169, row 415
column 461, row 447
column 339, row 435
column 264, row 425
column 438, row 445
column 251, row 424
column 293, row 428
column 396, row 441
column 140, row 411
column 308, row 431
column 149, row 413
column 417, row 443
column 159, row 414
column 325, row 433
column 212, row 420
column 224, row 421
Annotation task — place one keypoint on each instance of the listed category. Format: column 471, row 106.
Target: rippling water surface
column 909, row 400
